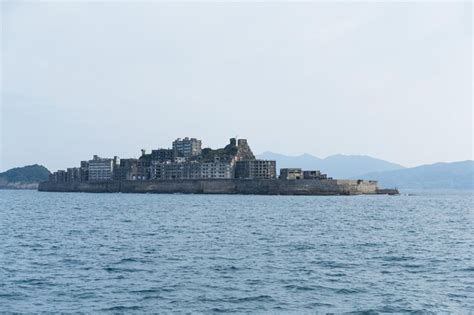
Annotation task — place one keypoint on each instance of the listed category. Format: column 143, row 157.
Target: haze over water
column 66, row 252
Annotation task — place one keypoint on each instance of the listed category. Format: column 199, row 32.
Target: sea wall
column 220, row 186
column 18, row 185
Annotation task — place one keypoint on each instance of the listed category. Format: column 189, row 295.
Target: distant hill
column 336, row 166
column 26, row 177
column 458, row 175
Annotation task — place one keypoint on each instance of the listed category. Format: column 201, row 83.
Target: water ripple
column 127, row 253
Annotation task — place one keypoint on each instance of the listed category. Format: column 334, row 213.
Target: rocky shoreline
column 19, row 186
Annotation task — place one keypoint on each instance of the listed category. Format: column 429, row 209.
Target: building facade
column 73, row 174
column 101, row 169
column 163, row 155
column 191, row 170
column 58, row 176
column 255, row 169
column 314, row 175
column 187, row 147
column 127, row 169
column 291, row 173
column 84, row 170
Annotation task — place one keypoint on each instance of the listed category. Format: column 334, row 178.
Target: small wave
column 11, row 295
column 367, row 245
column 391, row 309
column 219, row 310
column 167, row 289
column 122, row 308
column 35, row 282
column 397, row 258
column 220, row 288
column 364, row 312
column 337, row 274
column 348, row 291
column 127, row 260
column 72, row 261
column 39, row 263
column 308, row 287
column 258, row 298
column 131, row 260
column 146, row 291
column 334, row 264
column 114, row 269
column 412, row 266
column 72, row 232
column 317, row 304
column 85, row 295
column 303, row 247
column 225, row 268
column 299, row 287
column 152, row 297
column 455, row 295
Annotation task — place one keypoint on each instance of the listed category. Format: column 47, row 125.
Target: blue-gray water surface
column 69, row 252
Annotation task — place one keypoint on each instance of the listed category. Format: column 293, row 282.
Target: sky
column 388, row 80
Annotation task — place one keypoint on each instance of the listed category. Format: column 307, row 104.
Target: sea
column 158, row 253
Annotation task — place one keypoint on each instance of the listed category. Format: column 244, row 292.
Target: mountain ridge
column 456, row 175
column 337, row 166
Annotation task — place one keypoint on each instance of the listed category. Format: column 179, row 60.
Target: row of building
column 186, row 160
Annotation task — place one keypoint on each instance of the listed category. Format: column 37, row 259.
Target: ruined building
column 187, row 147
column 186, row 160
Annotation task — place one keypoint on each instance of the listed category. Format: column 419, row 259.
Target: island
column 189, row 169
column 26, row 177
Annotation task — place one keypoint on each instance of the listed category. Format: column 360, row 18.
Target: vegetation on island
column 208, row 154
column 26, row 177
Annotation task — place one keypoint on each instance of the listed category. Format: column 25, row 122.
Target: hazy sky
column 389, row 80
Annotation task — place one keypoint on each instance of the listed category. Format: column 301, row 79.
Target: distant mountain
column 26, row 177
column 336, row 166
column 458, row 175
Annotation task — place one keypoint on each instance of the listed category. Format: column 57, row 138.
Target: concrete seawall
column 220, row 186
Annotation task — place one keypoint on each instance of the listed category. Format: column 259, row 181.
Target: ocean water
column 69, row 252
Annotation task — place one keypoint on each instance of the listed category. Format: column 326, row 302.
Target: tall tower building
column 187, row 147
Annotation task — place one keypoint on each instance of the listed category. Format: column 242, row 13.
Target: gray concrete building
column 187, row 147
column 84, row 170
column 291, row 173
column 127, row 169
column 163, row 155
column 143, row 166
column 216, row 170
column 58, row 176
column 314, row 174
column 191, row 170
column 255, row 169
column 101, row 169
column 73, row 174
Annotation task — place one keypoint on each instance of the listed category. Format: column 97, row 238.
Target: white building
column 101, row 168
